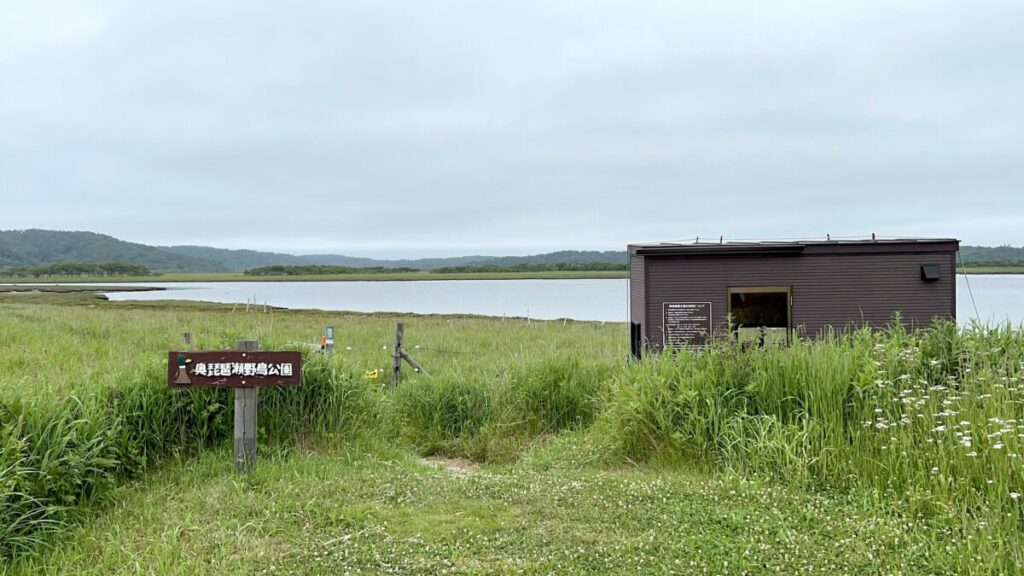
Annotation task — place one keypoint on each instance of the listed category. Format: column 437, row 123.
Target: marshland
column 543, row 195
column 532, row 447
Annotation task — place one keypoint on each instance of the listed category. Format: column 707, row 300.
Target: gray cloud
column 406, row 128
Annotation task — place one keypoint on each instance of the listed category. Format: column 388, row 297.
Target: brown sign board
column 233, row 369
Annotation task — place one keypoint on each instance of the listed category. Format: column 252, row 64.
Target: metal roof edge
column 781, row 247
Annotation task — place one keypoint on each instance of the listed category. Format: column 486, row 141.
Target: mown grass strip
column 372, row 512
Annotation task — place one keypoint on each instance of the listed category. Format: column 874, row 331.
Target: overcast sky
column 440, row 128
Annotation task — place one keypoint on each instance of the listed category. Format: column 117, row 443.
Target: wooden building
column 683, row 294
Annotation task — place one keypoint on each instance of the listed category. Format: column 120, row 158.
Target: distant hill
column 992, row 256
column 21, row 248
column 232, row 260
column 24, row 248
column 241, row 260
column 560, row 257
column 40, row 247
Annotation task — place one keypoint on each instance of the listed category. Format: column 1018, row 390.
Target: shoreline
column 383, row 277
column 76, row 289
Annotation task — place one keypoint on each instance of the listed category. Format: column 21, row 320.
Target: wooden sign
column 233, row 369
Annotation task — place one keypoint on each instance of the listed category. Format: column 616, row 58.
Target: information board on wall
column 686, row 324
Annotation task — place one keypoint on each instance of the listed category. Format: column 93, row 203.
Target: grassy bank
column 917, row 435
column 996, row 270
column 49, row 289
column 381, row 277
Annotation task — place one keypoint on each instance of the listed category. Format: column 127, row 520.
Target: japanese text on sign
column 241, row 369
column 234, row 368
column 686, row 324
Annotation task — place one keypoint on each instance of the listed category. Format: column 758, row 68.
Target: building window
column 761, row 315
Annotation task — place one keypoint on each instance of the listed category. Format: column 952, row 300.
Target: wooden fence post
column 246, row 403
column 396, row 357
column 186, row 339
column 400, row 354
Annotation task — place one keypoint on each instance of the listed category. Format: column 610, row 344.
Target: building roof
column 782, row 247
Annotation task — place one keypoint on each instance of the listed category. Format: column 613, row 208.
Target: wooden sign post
column 246, row 405
column 245, row 370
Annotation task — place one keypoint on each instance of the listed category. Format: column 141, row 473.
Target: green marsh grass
column 84, row 403
column 926, row 426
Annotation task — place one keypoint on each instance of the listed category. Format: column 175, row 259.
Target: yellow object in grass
column 372, row 374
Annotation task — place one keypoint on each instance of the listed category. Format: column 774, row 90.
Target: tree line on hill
column 77, row 269
column 24, row 248
column 321, row 270
column 30, row 248
column 995, row 256
column 318, row 270
column 524, row 267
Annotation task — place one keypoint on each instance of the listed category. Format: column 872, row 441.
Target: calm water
column 542, row 299
column 999, row 297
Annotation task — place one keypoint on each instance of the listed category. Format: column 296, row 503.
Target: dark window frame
column 763, row 289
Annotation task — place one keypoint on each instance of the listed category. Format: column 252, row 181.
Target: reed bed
column 928, row 424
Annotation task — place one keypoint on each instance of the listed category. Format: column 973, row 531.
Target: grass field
column 49, row 289
column 874, row 452
column 996, row 270
column 400, row 277
column 383, row 277
column 397, row 277
column 51, row 351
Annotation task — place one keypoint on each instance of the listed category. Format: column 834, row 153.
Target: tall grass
column 57, row 456
column 930, row 422
column 495, row 417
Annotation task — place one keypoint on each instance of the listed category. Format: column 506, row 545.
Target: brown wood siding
column 636, row 288
column 827, row 289
column 952, row 291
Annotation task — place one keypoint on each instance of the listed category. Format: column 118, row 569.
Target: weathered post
column 329, row 340
column 400, row 354
column 186, row 339
column 246, row 403
column 396, row 358
column 416, row 366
